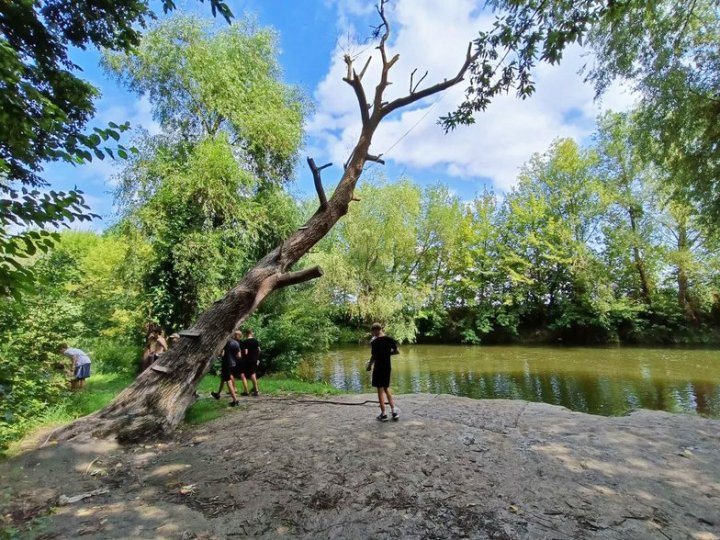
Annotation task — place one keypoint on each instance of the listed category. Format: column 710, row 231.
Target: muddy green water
column 607, row 381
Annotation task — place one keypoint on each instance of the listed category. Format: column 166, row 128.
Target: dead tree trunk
column 156, row 402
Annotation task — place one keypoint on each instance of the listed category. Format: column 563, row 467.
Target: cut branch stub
column 376, row 159
column 301, row 276
column 318, row 181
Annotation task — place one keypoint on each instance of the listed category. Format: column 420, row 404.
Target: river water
column 606, row 381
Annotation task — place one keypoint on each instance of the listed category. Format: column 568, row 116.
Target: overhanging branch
column 301, row 276
column 434, row 89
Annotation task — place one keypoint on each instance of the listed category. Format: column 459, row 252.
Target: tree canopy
column 205, row 194
column 45, row 107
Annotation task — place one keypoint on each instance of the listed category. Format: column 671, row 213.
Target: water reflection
column 599, row 381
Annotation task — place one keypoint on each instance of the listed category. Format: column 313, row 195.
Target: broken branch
column 318, row 181
column 364, row 69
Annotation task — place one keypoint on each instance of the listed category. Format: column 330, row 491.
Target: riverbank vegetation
column 605, row 240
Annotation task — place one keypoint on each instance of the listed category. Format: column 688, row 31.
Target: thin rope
column 409, row 130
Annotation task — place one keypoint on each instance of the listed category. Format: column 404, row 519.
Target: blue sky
column 428, row 34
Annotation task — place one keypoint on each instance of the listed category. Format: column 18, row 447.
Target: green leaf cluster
column 45, row 107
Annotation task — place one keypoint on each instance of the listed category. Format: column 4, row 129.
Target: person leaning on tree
column 155, row 345
column 383, row 347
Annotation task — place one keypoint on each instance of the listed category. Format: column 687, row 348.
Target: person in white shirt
column 80, row 366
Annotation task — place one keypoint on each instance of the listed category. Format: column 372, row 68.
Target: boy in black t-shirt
column 250, row 360
column 230, row 357
column 382, row 348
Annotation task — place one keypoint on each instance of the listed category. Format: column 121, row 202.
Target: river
column 606, row 381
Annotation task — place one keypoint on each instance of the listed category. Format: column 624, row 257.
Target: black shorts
column 246, row 367
column 381, row 375
column 226, row 371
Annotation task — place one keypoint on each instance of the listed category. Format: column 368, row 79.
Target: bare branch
column 348, row 63
column 383, row 84
column 439, row 87
column 384, row 24
column 301, row 276
column 364, row 69
column 391, row 63
column 413, row 89
column 318, row 181
column 353, row 80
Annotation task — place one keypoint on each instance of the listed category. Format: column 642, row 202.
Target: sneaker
column 395, row 415
column 382, row 417
column 234, row 403
column 216, row 395
column 244, row 394
column 255, row 393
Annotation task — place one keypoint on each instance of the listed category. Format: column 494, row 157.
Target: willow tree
column 205, row 194
column 156, row 402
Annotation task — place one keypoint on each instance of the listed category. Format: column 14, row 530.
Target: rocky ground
column 450, row 468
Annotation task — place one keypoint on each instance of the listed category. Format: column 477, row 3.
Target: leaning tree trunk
column 156, row 402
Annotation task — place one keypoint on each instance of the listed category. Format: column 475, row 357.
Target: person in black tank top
column 383, row 347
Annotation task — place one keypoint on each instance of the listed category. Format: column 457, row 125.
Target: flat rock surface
column 450, row 468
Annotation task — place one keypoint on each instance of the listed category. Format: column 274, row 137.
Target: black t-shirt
column 231, row 352
column 251, row 350
column 382, row 347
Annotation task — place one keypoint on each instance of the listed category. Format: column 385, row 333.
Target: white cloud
column 139, row 114
column 433, row 35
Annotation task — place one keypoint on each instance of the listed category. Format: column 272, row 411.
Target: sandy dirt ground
column 450, row 468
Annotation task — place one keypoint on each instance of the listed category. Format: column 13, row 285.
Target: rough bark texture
column 156, row 402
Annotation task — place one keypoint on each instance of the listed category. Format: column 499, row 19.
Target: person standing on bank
column 383, row 347
column 251, row 359
column 230, row 358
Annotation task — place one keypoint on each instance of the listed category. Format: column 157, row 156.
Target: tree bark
column 156, row 402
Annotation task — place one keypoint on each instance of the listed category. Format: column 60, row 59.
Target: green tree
column 205, row 194
column 553, row 221
column 631, row 219
column 670, row 53
column 45, row 109
column 373, row 256
column 81, row 297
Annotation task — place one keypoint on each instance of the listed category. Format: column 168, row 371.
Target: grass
column 101, row 388
column 207, row 408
